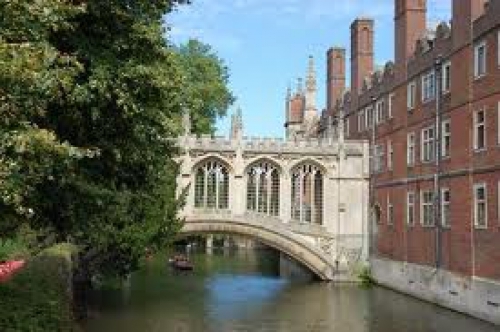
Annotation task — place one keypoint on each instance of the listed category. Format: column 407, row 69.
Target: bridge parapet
column 314, row 146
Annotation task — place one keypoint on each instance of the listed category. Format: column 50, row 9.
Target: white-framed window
column 445, row 207
column 428, row 86
column 390, row 211
column 498, row 48
column 480, row 206
column 390, row 105
column 498, row 123
column 498, row 203
column 427, row 144
column 410, row 208
column 480, row 59
column 446, row 78
column 390, row 156
column 410, row 149
column 380, row 111
column 412, row 95
column 445, row 138
column 378, row 160
column 480, row 130
column 427, row 208
column 369, row 117
column 347, row 127
column 361, row 121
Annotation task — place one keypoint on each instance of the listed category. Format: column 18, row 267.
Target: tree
column 90, row 92
column 205, row 81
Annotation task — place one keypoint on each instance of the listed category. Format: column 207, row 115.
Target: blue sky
column 266, row 44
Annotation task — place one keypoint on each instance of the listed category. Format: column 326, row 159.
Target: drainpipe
column 437, row 185
column 372, row 181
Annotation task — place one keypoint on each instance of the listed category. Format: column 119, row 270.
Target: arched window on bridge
column 263, row 188
column 211, row 186
column 307, row 194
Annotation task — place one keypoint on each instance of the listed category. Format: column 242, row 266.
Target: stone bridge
column 306, row 198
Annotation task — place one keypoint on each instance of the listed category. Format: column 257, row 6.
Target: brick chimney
column 465, row 12
column 361, row 53
column 335, row 81
column 410, row 24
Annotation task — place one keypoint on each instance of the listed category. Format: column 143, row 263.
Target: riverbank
column 38, row 298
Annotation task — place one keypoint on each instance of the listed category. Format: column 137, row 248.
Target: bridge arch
column 270, row 234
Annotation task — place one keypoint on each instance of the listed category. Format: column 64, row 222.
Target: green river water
column 241, row 291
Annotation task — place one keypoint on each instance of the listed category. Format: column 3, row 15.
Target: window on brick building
column 498, row 47
column 390, row 211
column 412, row 95
column 480, row 59
column 410, row 149
column 347, row 127
column 498, row 122
column 390, row 105
column 428, row 86
column 445, row 207
column 428, row 147
column 480, row 206
column 498, row 203
column 427, row 208
column 361, row 121
column 480, row 130
column 445, row 138
column 446, row 72
column 380, row 111
column 369, row 117
column 410, row 208
column 378, row 160
column 390, row 156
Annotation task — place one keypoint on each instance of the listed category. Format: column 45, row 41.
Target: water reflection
column 240, row 291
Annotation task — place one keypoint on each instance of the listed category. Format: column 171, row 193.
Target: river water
column 236, row 291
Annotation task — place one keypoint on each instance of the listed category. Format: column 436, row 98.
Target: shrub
column 38, row 298
column 12, row 249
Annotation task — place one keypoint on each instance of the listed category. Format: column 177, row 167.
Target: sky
column 266, row 45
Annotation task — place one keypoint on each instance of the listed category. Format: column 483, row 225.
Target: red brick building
column 433, row 118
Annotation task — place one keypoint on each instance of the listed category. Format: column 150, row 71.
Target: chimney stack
column 361, row 53
column 335, row 81
column 410, row 25
column 465, row 12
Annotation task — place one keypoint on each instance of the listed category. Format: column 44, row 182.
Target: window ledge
column 480, row 77
column 482, row 150
column 481, row 228
column 428, row 226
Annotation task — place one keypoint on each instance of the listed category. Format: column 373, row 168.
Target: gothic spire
column 311, row 89
column 237, row 124
column 311, row 75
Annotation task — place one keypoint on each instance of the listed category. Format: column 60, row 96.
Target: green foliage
column 37, row 298
column 12, row 249
column 205, row 81
column 365, row 277
column 90, row 93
